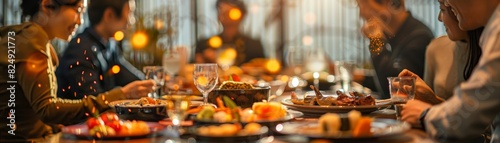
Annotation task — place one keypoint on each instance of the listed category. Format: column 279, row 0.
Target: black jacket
column 85, row 67
column 406, row 50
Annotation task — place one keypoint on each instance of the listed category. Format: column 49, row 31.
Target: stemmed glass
column 157, row 74
column 205, row 79
column 177, row 106
column 402, row 89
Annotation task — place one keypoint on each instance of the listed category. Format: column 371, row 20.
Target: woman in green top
column 29, row 107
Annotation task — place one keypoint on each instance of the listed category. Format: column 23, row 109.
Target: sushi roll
column 329, row 124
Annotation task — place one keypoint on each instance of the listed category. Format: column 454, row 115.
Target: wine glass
column 157, row 74
column 205, row 79
column 177, row 106
column 401, row 89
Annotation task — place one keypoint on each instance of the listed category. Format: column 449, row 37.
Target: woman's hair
column 31, row 7
column 474, row 52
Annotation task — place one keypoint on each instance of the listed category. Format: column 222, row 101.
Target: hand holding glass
column 402, row 89
column 157, row 74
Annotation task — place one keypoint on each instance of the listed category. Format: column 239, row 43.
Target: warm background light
column 115, row 69
column 229, row 53
column 139, row 40
column 215, row 42
column 235, row 14
column 119, row 36
column 273, row 66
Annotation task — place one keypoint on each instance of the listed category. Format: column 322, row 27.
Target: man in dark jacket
column 397, row 40
column 93, row 63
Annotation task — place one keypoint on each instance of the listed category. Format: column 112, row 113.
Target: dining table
column 413, row 135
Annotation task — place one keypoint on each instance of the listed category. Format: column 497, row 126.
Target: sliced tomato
column 92, row 122
column 235, row 77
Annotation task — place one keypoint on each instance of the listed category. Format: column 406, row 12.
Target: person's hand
column 422, row 91
column 138, row 89
column 412, row 110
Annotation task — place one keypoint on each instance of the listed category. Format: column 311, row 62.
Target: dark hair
column 31, row 7
column 396, row 3
column 239, row 4
column 474, row 51
column 96, row 9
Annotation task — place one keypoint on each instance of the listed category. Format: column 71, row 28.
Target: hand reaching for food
column 138, row 89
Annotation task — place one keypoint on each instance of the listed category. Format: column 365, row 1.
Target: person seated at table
column 446, row 55
column 93, row 63
column 230, row 14
column 398, row 40
column 29, row 106
column 475, row 103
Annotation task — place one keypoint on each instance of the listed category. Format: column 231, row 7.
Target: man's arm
column 476, row 102
column 36, row 86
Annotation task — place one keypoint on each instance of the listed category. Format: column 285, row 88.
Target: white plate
column 379, row 128
column 316, row 109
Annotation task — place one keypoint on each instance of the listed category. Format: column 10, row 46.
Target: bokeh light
column 115, row 69
column 139, row 40
column 235, row 14
column 119, row 35
column 273, row 66
column 215, row 42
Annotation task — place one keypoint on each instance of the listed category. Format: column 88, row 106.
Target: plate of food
column 230, row 132
column 109, row 126
column 352, row 126
column 228, row 112
column 145, row 109
column 339, row 103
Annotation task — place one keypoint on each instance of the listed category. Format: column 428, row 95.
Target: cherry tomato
column 92, row 122
column 235, row 77
column 151, row 100
column 109, row 117
column 116, row 125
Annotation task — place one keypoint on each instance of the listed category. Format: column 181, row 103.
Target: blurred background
column 281, row 25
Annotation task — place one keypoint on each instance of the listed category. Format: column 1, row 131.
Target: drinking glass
column 295, row 58
column 172, row 61
column 316, row 62
column 402, row 89
column 157, row 74
column 343, row 72
column 205, row 79
column 177, row 107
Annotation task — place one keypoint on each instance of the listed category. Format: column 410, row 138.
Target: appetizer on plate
column 108, row 124
column 342, row 99
column 230, row 130
column 260, row 111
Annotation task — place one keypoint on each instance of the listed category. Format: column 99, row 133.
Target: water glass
column 157, row 74
column 401, row 89
column 205, row 79
column 343, row 74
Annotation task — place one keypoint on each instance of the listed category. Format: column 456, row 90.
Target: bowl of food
column 242, row 93
column 145, row 108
